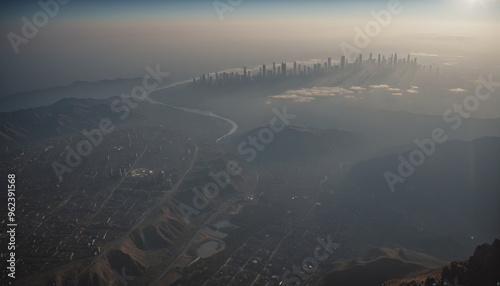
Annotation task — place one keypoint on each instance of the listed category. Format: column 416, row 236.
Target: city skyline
column 93, row 40
column 303, row 70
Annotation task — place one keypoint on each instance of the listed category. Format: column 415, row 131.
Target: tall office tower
column 274, row 69
column 315, row 68
column 308, row 69
column 216, row 77
column 264, row 72
column 396, row 59
column 283, row 69
column 384, row 61
column 203, row 79
column 378, row 60
column 371, row 58
column 342, row 63
column 329, row 64
column 360, row 59
column 305, row 72
column 260, row 71
column 390, row 60
column 326, row 67
column 279, row 70
column 300, row 70
column 408, row 60
column 244, row 72
column 294, row 68
column 415, row 62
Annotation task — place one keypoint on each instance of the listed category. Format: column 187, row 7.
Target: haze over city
column 93, row 40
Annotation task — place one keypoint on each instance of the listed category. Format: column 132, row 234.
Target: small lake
column 208, row 249
column 215, row 229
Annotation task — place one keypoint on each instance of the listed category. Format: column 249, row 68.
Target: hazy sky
column 91, row 40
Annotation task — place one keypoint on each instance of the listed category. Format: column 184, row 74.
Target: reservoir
column 208, row 248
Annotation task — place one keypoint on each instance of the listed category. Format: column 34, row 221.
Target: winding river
column 234, row 126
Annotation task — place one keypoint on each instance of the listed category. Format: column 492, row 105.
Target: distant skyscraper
column 294, row 68
column 329, row 64
column 378, row 60
column 342, row 63
column 283, row 69
column 360, row 59
column 274, row 69
column 244, row 72
column 279, row 70
column 264, row 72
column 408, row 60
column 395, row 59
column 370, row 59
